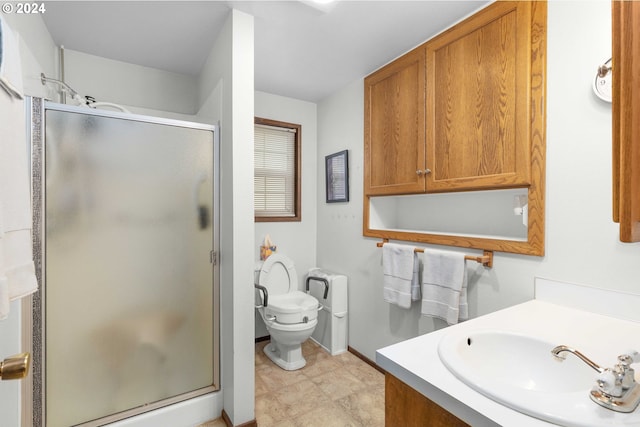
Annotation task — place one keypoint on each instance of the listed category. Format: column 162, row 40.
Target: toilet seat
column 292, row 307
column 288, row 304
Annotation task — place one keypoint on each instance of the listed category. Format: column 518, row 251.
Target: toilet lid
column 278, row 275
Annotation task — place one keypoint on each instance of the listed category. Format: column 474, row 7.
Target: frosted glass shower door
column 129, row 279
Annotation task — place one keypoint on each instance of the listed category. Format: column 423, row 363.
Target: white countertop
column 416, row 361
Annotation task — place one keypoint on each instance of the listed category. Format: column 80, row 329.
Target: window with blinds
column 276, row 171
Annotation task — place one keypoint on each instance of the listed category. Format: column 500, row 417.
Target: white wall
column 123, row 83
column 297, row 240
column 38, row 52
column 226, row 94
column 240, row 220
column 582, row 241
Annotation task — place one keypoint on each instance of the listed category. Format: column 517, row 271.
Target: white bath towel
column 17, row 278
column 444, row 286
column 10, row 67
column 400, row 269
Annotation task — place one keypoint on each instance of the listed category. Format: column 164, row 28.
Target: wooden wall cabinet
column 464, row 111
column 405, row 407
column 625, row 111
column 478, row 101
column 395, row 126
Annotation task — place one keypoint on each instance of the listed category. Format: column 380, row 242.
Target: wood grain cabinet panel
column 478, row 91
column 625, row 111
column 405, row 407
column 464, row 111
column 394, row 126
column 455, row 113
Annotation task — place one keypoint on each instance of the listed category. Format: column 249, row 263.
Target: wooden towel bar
column 486, row 259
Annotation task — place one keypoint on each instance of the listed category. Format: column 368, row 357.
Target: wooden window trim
column 298, row 172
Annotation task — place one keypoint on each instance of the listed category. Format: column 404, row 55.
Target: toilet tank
column 331, row 330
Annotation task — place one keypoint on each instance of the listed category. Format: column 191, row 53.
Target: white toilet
column 289, row 314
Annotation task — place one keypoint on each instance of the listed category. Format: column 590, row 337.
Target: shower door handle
column 15, row 367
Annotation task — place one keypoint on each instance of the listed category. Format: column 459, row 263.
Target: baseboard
column 227, row 421
column 265, row 338
column 365, row 359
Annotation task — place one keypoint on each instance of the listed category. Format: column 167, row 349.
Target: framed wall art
column 337, row 176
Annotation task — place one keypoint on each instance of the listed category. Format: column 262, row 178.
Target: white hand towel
column 400, row 269
column 10, row 67
column 444, row 286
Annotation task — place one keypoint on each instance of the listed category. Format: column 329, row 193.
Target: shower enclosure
column 125, row 241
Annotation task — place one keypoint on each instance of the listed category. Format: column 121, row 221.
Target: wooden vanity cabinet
column 455, row 114
column 405, row 407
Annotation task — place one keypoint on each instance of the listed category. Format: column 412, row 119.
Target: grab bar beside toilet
column 265, row 296
column 319, row 279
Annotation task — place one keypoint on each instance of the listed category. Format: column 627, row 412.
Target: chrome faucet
column 616, row 388
column 557, row 353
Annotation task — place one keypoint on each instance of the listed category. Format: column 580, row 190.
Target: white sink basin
column 520, row 372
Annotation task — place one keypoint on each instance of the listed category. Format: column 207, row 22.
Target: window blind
column 274, row 171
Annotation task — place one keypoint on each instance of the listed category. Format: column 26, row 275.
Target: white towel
column 444, row 286
column 17, row 278
column 10, row 67
column 400, row 269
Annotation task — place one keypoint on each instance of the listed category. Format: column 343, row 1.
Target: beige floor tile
column 348, row 357
column 338, row 384
column 285, row 423
column 330, row 391
column 368, row 375
column 275, row 378
column 327, row 416
column 260, row 385
column 366, row 407
column 261, row 358
column 219, row 422
column 301, row 397
column 270, row 411
column 321, row 365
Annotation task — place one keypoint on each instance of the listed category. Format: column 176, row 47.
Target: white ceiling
column 301, row 51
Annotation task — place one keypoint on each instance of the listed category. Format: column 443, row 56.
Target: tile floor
column 340, row 391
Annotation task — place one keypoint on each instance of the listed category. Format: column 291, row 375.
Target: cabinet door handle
column 426, row 171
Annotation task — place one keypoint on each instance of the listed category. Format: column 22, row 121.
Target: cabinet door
column 626, row 128
column 478, row 109
column 394, row 134
column 407, row 408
